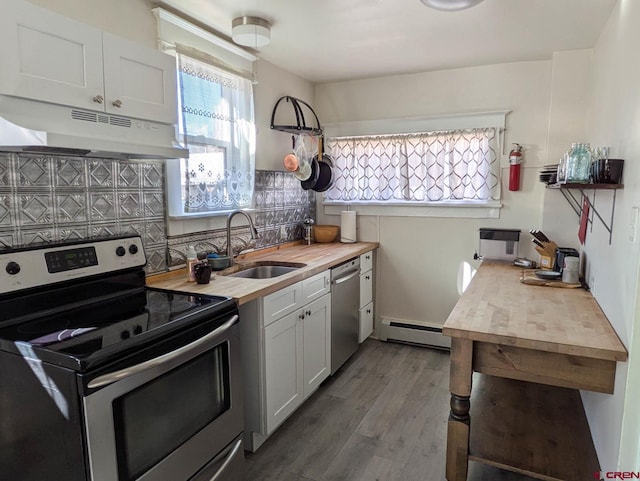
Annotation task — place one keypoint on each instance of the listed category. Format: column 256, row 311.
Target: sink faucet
column 252, row 229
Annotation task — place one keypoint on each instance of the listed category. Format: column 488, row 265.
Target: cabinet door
column 139, row 82
column 283, row 368
column 281, row 302
column 366, row 322
column 316, row 343
column 315, row 287
column 48, row 57
column 366, row 288
column 366, row 261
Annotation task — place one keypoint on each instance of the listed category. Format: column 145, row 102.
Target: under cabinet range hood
column 41, row 127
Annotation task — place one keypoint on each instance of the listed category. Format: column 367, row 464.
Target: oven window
column 158, row 417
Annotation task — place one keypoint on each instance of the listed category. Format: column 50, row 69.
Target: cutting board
column 528, row 277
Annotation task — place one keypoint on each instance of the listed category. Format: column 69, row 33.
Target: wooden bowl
column 325, row 233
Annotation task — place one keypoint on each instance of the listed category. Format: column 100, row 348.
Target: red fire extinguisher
column 515, row 159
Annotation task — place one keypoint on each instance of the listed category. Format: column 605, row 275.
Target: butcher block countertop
column 317, row 257
column 497, row 308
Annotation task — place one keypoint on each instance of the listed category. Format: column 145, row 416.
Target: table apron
column 555, row 369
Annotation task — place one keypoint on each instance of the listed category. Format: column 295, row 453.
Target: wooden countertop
column 317, row 257
column 497, row 308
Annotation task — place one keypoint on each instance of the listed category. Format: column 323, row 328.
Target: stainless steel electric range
column 103, row 378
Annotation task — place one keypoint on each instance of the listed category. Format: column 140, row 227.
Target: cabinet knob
column 308, row 313
column 117, row 103
column 98, row 99
column 301, row 316
column 367, row 257
column 368, row 311
column 367, row 277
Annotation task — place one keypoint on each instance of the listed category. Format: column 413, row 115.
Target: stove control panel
column 29, row 267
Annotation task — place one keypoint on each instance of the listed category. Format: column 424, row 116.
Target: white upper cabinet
column 138, row 81
column 48, row 57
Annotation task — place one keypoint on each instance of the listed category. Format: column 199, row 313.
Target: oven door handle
column 227, row 460
column 158, row 361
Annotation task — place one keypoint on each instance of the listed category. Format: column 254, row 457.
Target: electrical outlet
column 283, row 231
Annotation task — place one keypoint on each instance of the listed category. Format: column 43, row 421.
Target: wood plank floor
column 382, row 416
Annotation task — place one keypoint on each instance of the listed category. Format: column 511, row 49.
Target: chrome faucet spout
column 252, row 229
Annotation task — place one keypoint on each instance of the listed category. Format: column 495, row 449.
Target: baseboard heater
column 413, row 332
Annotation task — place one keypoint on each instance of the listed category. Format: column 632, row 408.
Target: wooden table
column 534, row 347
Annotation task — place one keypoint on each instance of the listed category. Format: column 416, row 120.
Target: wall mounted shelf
column 576, row 203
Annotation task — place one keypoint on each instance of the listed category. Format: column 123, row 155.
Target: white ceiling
column 330, row 40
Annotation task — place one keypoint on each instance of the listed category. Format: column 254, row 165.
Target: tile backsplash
column 280, row 206
column 51, row 198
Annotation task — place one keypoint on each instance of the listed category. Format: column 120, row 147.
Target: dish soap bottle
column 192, row 260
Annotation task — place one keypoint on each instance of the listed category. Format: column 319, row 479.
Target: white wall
column 615, row 121
column 420, row 257
column 273, row 83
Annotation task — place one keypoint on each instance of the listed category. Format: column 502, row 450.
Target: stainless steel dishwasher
column 345, row 301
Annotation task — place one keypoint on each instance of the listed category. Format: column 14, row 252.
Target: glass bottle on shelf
column 579, row 163
column 561, row 175
column 571, row 163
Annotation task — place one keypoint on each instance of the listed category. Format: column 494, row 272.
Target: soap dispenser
column 192, row 260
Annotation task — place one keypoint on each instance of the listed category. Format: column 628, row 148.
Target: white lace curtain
column 217, row 125
column 456, row 165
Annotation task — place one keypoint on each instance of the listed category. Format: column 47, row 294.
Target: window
column 453, row 166
column 217, row 125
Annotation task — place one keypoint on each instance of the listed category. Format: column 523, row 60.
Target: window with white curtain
column 217, row 125
column 453, row 166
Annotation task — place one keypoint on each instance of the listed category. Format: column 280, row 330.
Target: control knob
column 125, row 334
column 12, row 268
column 120, row 251
column 133, row 249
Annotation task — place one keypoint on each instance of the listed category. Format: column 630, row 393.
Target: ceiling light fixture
column 251, row 32
column 450, row 5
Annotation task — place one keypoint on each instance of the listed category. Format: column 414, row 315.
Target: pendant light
column 450, row 5
column 251, row 32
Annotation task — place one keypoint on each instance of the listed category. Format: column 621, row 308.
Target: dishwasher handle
column 340, row 280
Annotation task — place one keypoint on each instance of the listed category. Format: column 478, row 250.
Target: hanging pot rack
column 301, row 126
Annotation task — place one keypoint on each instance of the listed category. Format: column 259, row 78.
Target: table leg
column 459, row 420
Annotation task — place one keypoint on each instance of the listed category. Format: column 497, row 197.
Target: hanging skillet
column 312, row 180
column 325, row 174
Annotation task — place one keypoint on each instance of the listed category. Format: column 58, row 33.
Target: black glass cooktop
column 129, row 320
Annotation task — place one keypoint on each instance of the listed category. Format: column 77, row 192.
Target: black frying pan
column 325, row 176
column 311, row 182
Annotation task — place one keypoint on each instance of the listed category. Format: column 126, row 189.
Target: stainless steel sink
column 267, row 269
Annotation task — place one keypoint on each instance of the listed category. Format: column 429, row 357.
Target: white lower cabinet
column 366, row 322
column 285, row 359
column 283, row 368
column 366, row 296
column 316, row 344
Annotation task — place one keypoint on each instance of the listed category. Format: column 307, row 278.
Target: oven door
column 167, row 417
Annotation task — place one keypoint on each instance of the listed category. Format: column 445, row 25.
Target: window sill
column 471, row 210
column 200, row 215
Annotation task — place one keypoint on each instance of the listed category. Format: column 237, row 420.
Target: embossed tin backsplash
column 53, row 198
column 46, row 199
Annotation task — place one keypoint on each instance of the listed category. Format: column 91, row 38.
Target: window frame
column 447, row 208
column 176, row 168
